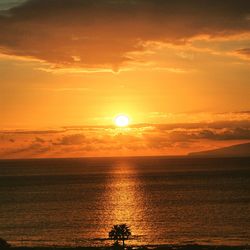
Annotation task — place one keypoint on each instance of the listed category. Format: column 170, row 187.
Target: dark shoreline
column 143, row 247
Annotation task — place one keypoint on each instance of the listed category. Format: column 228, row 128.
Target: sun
column 121, row 120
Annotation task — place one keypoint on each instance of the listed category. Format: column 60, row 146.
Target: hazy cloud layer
column 141, row 139
column 93, row 33
column 244, row 52
column 8, row 4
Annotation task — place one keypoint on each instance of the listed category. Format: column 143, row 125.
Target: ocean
column 75, row 202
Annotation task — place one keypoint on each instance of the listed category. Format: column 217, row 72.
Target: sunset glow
column 125, row 124
column 62, row 83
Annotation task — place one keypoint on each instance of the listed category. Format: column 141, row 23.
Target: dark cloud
column 208, row 134
column 39, row 140
column 30, row 150
column 246, row 112
column 205, row 125
column 230, row 134
column 244, row 52
column 8, row 4
column 93, row 33
column 30, row 132
column 74, row 139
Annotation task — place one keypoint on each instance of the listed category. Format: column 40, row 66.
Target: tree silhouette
column 4, row 244
column 120, row 232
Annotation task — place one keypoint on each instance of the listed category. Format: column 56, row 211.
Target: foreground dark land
column 148, row 247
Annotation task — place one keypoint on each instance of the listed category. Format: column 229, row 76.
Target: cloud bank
column 93, row 33
column 139, row 139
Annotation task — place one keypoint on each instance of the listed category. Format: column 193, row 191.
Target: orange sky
column 179, row 69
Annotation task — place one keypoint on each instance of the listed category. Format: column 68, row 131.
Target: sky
column 178, row 69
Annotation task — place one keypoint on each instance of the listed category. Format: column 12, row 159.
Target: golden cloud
column 92, row 34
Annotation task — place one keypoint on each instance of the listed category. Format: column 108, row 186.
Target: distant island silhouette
column 239, row 150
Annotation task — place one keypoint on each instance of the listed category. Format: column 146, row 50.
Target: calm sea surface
column 164, row 200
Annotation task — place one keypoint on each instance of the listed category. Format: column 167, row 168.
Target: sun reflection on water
column 125, row 199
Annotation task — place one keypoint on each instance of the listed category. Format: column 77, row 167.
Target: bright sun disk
column 121, row 121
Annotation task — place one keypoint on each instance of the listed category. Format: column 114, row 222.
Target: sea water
column 75, row 202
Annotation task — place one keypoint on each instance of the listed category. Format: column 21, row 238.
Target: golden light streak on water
column 126, row 198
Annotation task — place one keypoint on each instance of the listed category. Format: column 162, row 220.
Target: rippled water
column 164, row 200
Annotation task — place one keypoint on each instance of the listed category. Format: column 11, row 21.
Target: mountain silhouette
column 239, row 150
